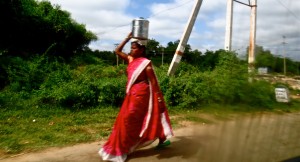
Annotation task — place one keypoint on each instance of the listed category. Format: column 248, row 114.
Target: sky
column 277, row 28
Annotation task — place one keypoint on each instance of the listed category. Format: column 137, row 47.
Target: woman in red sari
column 143, row 117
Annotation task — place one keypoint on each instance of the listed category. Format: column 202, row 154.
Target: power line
column 151, row 16
column 101, row 33
column 155, row 14
column 289, row 10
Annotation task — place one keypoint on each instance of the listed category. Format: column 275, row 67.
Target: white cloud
column 111, row 21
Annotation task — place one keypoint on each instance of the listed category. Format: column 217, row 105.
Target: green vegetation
column 264, row 58
column 52, row 103
column 35, row 128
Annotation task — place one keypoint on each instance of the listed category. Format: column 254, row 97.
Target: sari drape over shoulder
column 141, row 120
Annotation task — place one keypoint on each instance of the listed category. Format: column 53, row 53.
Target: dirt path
column 255, row 138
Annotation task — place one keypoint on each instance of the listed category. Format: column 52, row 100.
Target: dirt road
column 255, row 138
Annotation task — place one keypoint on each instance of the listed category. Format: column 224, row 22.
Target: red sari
column 141, row 120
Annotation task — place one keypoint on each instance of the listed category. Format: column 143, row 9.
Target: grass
column 37, row 128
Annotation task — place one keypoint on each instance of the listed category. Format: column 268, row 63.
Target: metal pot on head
column 140, row 28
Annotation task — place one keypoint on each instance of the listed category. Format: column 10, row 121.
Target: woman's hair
column 140, row 46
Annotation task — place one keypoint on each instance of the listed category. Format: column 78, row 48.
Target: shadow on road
column 182, row 147
column 294, row 159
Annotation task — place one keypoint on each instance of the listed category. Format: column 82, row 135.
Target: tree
column 193, row 57
column 36, row 27
column 209, row 60
column 172, row 46
column 32, row 28
column 264, row 58
column 153, row 47
column 170, row 50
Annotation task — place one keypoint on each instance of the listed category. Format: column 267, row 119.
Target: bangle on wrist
column 159, row 99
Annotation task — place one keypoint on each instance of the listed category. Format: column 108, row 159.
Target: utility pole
column 228, row 33
column 116, row 45
column 183, row 41
column 284, row 61
column 162, row 55
column 251, row 56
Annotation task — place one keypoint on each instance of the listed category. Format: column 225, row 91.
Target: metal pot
column 140, row 28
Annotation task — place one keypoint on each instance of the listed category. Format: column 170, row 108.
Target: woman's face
column 136, row 50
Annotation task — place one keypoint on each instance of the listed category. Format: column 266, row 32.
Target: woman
column 143, row 117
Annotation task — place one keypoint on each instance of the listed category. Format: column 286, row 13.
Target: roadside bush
column 57, row 84
column 18, row 75
column 57, row 77
column 27, row 75
column 91, row 85
column 227, row 83
column 2, row 100
column 259, row 94
column 72, row 95
column 10, row 100
column 111, row 91
column 86, row 58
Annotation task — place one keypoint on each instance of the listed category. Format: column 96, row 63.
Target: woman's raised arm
column 120, row 47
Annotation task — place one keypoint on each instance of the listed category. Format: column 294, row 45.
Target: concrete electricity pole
column 183, row 41
column 162, row 55
column 251, row 56
column 284, row 61
column 228, row 33
column 117, row 56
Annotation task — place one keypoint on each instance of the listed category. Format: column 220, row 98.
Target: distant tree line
column 208, row 59
column 204, row 61
column 264, row 58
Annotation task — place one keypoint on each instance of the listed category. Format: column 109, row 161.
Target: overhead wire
column 185, row 3
column 151, row 16
column 114, row 28
column 291, row 12
column 157, row 13
column 275, row 47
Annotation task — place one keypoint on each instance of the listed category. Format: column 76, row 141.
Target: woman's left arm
column 154, row 84
column 152, row 77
